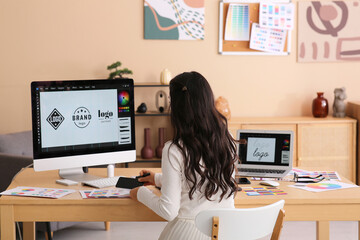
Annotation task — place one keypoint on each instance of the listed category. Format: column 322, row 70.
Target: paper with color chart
column 110, row 193
column 276, row 15
column 237, row 26
column 266, row 39
column 38, row 192
column 323, row 186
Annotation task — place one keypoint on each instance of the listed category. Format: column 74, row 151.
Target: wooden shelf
column 152, row 113
column 150, row 84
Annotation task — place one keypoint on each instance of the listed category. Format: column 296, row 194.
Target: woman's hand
column 148, row 180
column 133, row 193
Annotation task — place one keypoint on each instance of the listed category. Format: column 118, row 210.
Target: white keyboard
column 102, row 182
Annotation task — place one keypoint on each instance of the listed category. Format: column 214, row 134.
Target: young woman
column 197, row 165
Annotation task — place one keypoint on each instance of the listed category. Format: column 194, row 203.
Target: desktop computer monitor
column 82, row 123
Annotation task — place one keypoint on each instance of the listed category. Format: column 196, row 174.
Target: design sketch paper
column 266, row 39
column 323, row 186
column 276, row 15
column 38, row 192
column 237, row 26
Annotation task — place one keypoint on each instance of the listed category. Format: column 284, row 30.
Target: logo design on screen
column 81, row 117
column 105, row 116
column 55, row 119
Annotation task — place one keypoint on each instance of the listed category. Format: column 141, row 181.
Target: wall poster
column 174, row 19
column 329, row 31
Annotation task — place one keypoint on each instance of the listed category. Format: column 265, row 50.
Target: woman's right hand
column 148, row 180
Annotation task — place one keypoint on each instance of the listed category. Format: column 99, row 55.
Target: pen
column 145, row 175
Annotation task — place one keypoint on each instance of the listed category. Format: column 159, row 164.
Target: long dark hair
column 201, row 134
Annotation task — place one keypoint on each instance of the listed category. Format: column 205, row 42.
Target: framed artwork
column 328, row 31
column 174, row 19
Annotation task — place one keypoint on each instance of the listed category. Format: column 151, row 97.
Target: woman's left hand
column 133, row 193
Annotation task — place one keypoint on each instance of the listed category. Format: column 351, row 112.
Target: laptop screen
column 269, row 148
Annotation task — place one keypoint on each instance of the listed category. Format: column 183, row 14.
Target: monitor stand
column 78, row 174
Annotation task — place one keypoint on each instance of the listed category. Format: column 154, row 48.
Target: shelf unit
column 150, row 119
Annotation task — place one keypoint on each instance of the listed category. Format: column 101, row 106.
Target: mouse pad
column 128, row 183
column 258, row 191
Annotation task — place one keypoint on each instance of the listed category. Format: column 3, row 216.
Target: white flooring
column 151, row 231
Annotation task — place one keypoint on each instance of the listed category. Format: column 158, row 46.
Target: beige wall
column 77, row 39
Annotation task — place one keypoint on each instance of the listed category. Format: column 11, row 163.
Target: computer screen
column 265, row 153
column 82, row 123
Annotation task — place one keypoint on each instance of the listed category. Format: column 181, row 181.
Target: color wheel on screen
column 124, row 98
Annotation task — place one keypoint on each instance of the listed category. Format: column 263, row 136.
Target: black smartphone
column 243, row 181
column 128, row 183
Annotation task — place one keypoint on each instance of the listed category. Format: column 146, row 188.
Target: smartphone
column 128, row 183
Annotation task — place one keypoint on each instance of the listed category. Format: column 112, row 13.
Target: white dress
column 174, row 204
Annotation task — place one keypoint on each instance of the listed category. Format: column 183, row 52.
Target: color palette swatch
column 261, row 191
column 267, row 39
column 237, row 26
column 329, row 175
column 109, row 193
column 38, row 192
column 280, row 16
column 323, row 186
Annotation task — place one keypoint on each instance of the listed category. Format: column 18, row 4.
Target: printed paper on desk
column 277, row 15
column 38, row 192
column 110, row 193
column 266, row 39
column 324, row 186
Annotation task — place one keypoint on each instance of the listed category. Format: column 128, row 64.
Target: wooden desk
column 300, row 205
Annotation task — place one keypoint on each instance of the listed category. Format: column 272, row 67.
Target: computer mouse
column 269, row 183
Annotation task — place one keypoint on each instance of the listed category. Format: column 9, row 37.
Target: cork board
column 243, row 47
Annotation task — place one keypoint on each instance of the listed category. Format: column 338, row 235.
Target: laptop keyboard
column 277, row 171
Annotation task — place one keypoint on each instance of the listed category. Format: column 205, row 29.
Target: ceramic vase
column 320, row 106
column 159, row 148
column 165, row 77
column 146, row 151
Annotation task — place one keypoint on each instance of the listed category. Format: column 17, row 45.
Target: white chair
column 244, row 224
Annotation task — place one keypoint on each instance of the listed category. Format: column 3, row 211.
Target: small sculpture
column 142, row 108
column 161, row 101
column 339, row 105
column 222, row 105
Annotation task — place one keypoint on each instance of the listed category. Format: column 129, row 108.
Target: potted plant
column 117, row 73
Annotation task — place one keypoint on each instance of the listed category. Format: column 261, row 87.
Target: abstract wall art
column 329, row 31
column 174, row 19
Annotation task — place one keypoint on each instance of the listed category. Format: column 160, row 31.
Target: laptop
column 264, row 153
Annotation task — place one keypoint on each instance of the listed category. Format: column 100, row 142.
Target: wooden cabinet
column 353, row 110
column 319, row 143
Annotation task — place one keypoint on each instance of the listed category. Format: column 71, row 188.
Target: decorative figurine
column 222, row 105
column 161, row 101
column 142, row 108
column 339, row 104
